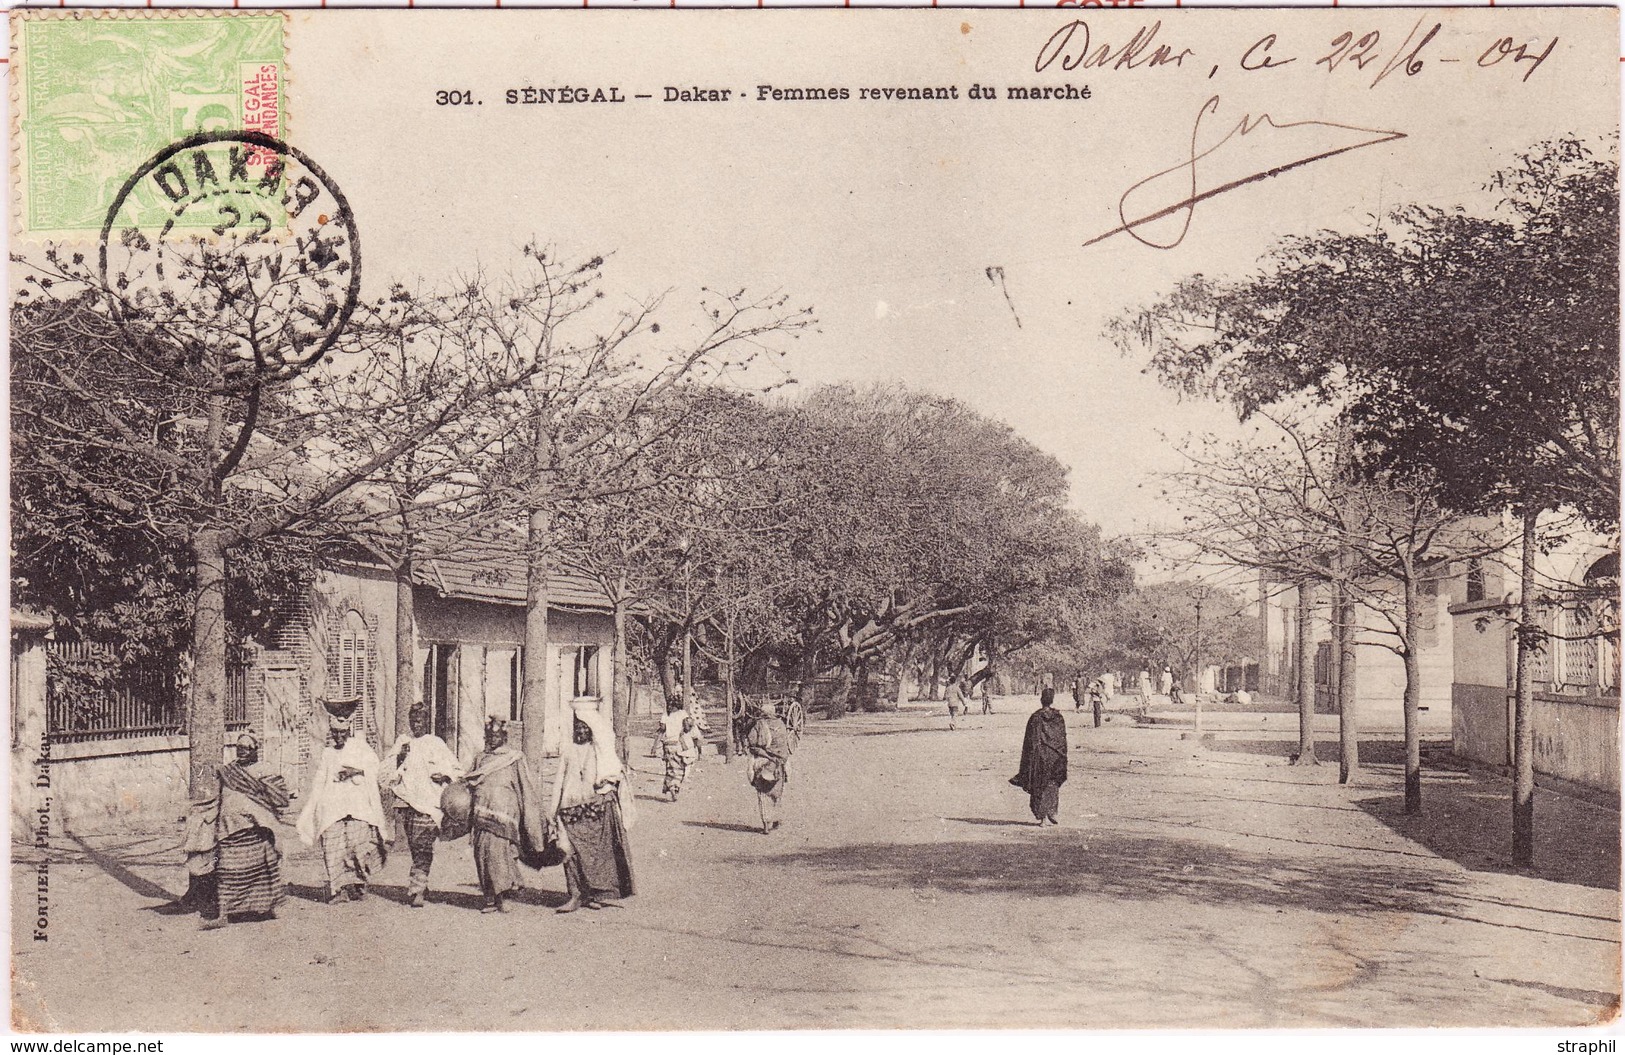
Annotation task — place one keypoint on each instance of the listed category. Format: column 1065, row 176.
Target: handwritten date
column 1360, row 50
column 1356, row 50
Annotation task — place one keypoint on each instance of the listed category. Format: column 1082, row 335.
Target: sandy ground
column 1187, row 887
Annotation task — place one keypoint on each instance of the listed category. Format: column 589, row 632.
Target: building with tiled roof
column 468, row 663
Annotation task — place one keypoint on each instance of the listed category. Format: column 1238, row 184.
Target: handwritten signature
column 1185, row 174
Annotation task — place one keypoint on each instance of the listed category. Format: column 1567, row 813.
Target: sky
column 886, row 217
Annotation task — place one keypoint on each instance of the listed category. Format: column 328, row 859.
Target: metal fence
column 92, row 695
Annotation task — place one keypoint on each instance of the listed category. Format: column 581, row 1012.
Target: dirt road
column 909, row 887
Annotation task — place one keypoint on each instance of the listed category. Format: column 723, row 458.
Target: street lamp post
column 1201, row 595
column 688, row 626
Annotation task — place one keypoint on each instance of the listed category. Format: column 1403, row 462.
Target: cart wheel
column 795, row 717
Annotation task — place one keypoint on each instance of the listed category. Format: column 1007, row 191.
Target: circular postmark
column 237, row 242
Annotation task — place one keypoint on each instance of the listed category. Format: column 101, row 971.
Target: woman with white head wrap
column 592, row 806
column 343, row 813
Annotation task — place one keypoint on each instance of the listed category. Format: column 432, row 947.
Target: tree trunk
column 1197, row 691
column 620, row 701
column 688, row 669
column 860, row 687
column 1348, row 730
column 1413, row 696
column 206, row 715
column 406, row 650
column 728, row 689
column 1306, row 674
column 533, row 707
column 662, row 658
column 840, row 697
column 1523, row 730
column 809, row 688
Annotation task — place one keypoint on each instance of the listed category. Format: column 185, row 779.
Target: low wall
column 122, row 784
column 1576, row 737
column 1479, row 721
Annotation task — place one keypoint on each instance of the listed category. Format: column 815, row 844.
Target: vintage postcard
column 814, row 519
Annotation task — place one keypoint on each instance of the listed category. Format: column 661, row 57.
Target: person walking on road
column 987, row 696
column 422, row 766
column 1097, row 699
column 1078, row 693
column 231, row 846
column 1165, row 684
column 1043, row 760
column 506, row 816
column 680, row 743
column 343, row 812
column 770, row 744
column 593, row 807
column 958, row 706
column 1145, row 690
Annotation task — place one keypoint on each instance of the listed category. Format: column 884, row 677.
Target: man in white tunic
column 343, row 811
column 420, row 765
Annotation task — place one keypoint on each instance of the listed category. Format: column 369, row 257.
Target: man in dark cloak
column 1043, row 759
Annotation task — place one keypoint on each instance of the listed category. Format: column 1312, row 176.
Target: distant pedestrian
column 1097, row 700
column 958, row 706
column 987, row 696
column 343, row 812
column 1043, row 760
column 1079, row 693
column 1165, row 684
column 1144, row 687
column 592, row 806
column 680, row 743
column 770, row 744
column 231, row 849
column 421, row 766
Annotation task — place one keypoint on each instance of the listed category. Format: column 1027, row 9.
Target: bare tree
column 1291, row 509
column 599, row 366
column 195, row 406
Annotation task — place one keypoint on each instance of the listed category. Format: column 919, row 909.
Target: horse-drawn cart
column 752, row 706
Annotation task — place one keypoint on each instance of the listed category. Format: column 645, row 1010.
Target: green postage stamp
column 96, row 95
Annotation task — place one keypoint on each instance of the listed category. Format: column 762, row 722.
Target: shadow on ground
column 1059, row 862
column 725, row 826
column 397, row 893
column 118, row 865
column 1471, row 824
column 1385, row 752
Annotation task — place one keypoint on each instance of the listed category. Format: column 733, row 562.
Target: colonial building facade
column 1575, row 673
column 468, row 664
